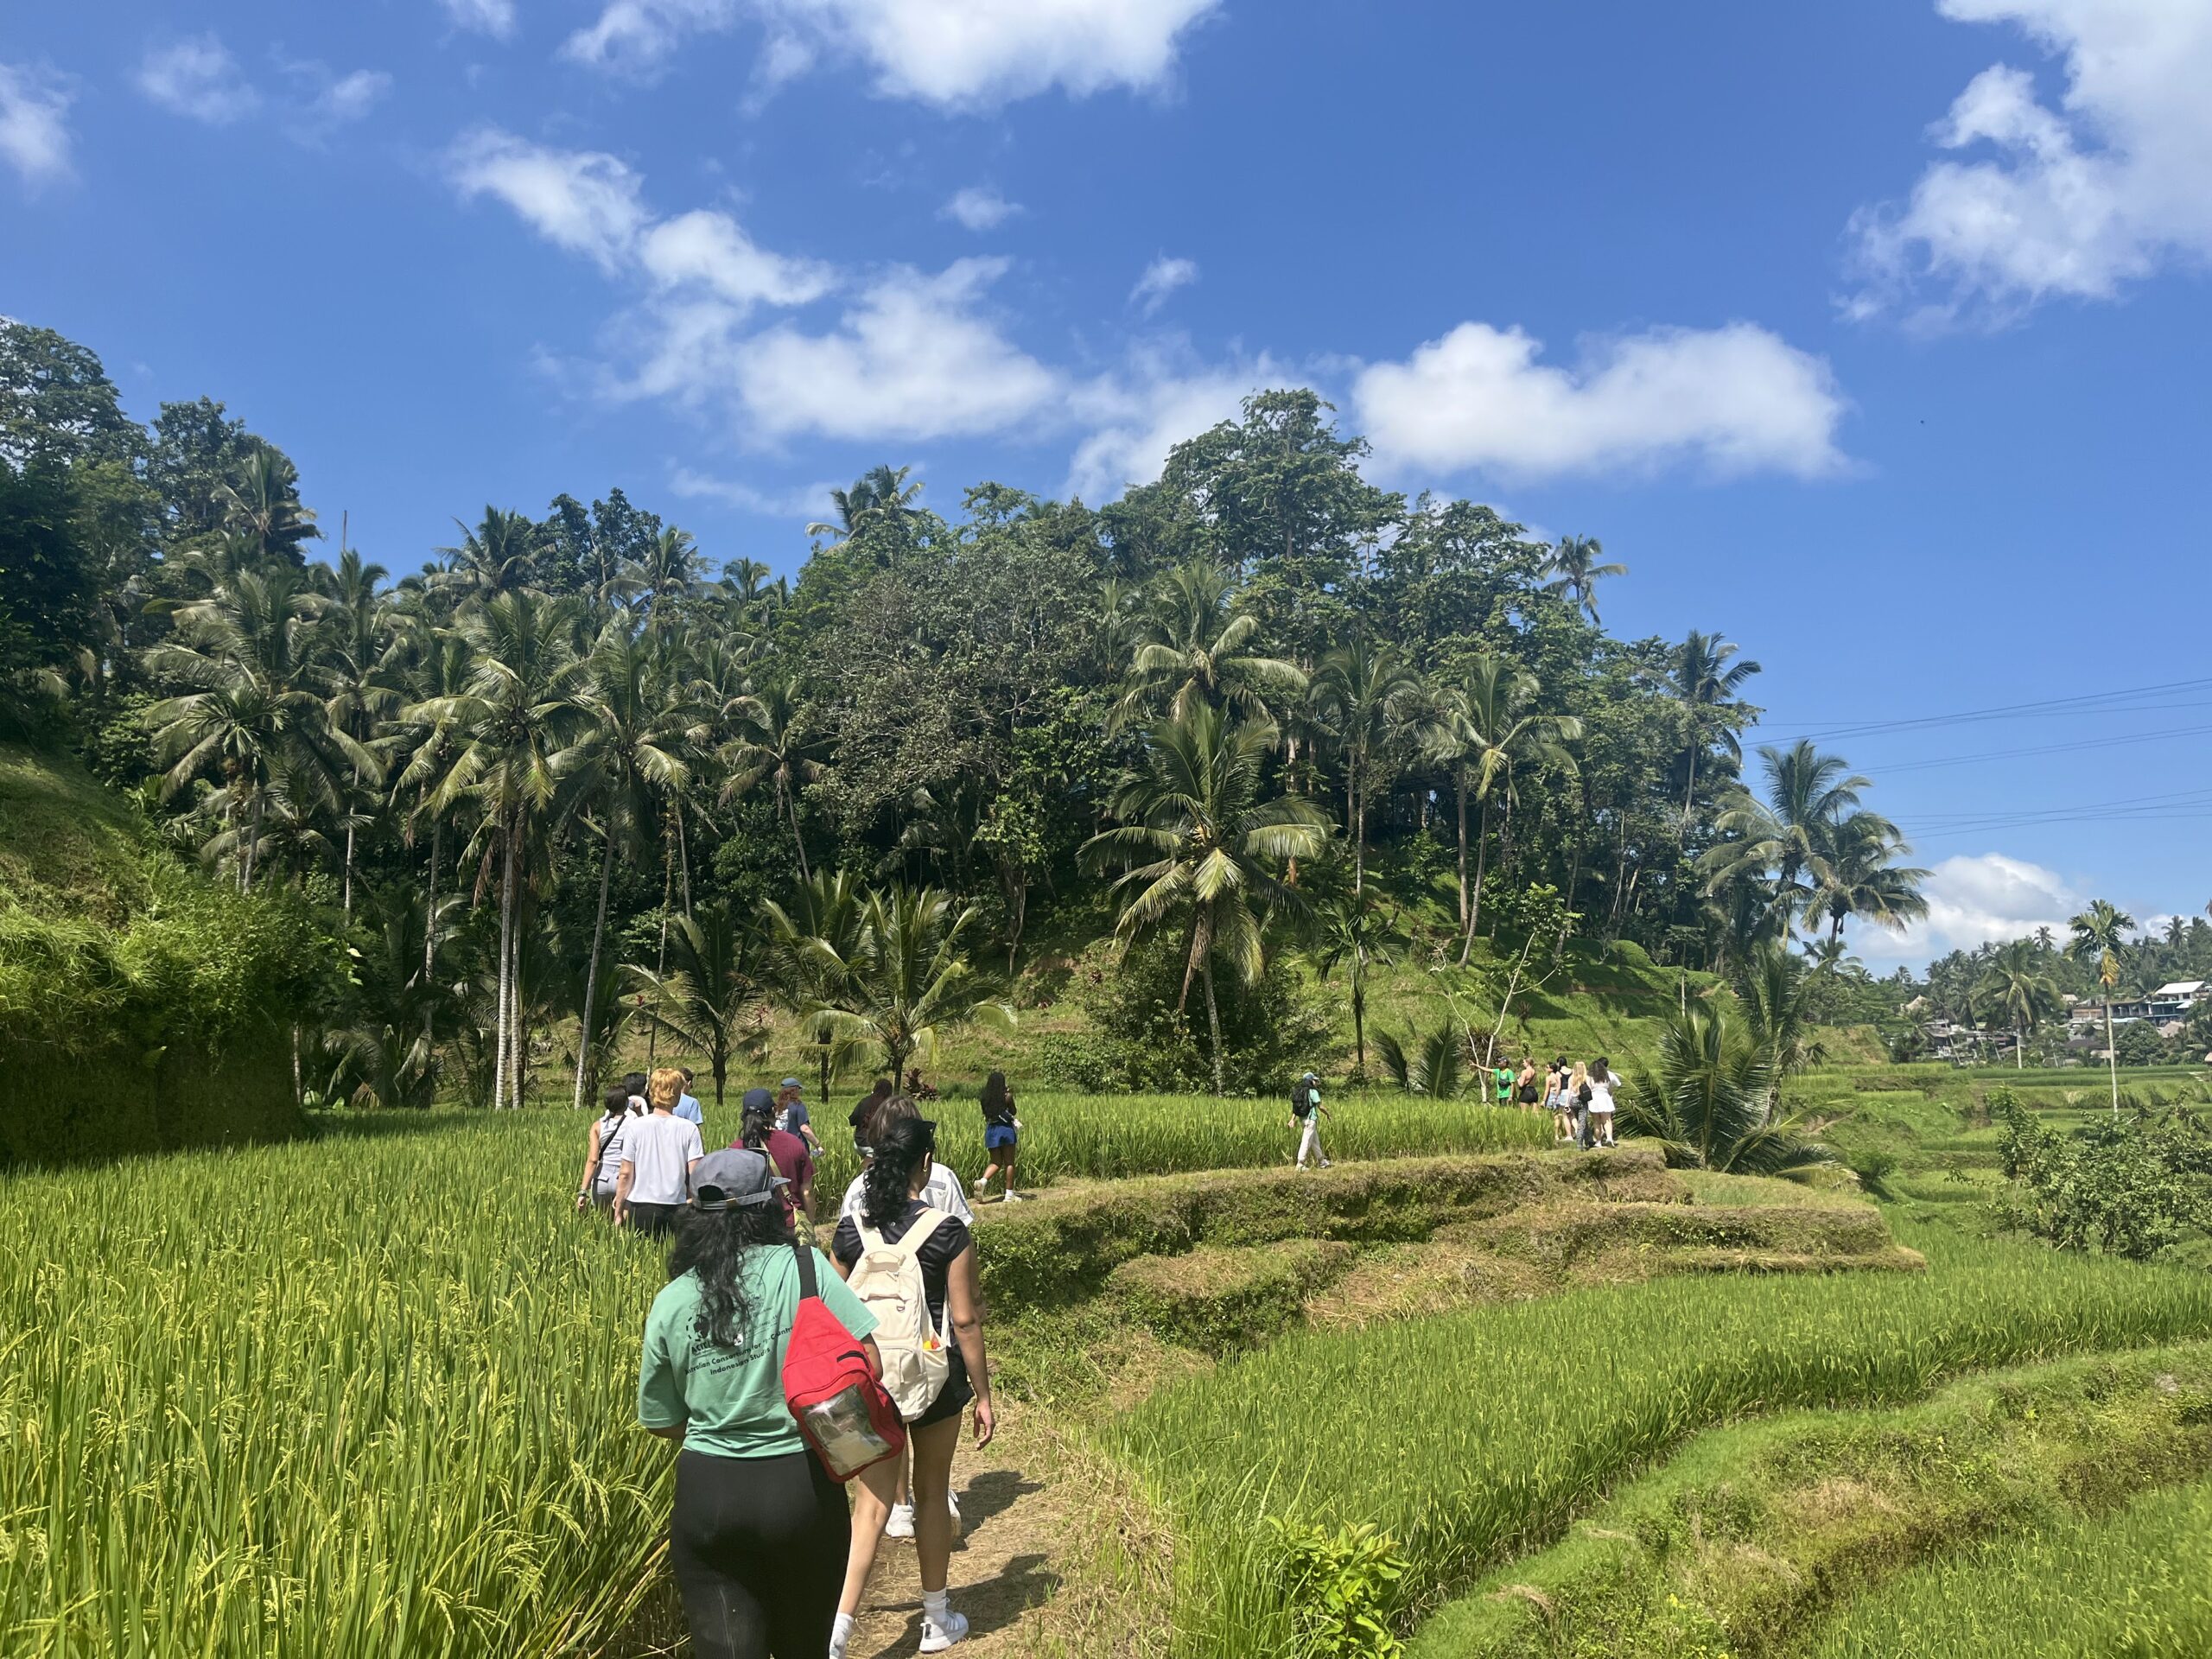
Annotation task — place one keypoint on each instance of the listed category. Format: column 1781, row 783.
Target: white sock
column 934, row 1606
column 841, row 1633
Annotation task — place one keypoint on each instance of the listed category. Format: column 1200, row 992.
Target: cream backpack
column 888, row 1281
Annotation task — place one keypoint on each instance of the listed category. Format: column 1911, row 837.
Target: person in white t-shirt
column 603, row 1150
column 943, row 1190
column 658, row 1151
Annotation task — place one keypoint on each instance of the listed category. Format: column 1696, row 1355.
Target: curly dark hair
column 899, row 1148
column 714, row 1244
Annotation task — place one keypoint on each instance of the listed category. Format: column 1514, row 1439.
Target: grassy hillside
column 68, row 848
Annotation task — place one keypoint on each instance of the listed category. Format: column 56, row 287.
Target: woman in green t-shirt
column 759, row 1533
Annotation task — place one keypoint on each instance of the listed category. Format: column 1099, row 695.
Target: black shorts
column 758, row 1545
column 952, row 1399
column 655, row 1220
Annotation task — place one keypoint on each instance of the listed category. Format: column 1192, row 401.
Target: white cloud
column 804, row 502
column 350, row 97
column 1133, row 420
column 583, row 200
column 1734, row 399
column 1161, row 278
column 979, row 208
column 492, row 18
column 913, row 359
column 34, row 125
column 198, row 77
column 1982, row 898
column 711, row 250
column 949, row 52
column 2075, row 201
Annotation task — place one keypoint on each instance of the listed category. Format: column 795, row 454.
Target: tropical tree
column 880, row 498
column 1770, row 986
column 1366, row 697
column 1198, row 643
column 1710, row 1103
column 498, row 556
column 629, row 756
column 1435, row 1066
column 810, row 939
column 1574, row 573
column 1858, row 875
column 775, row 742
column 1353, row 934
column 261, row 505
column 2016, row 990
column 1491, row 729
column 2099, row 934
column 709, row 997
column 516, row 711
column 1789, row 836
column 1196, row 843
column 1706, row 685
column 909, row 977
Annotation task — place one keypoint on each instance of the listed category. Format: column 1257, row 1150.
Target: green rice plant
column 2138, row 1583
column 1472, row 1435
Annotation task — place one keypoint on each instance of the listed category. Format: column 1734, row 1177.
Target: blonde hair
column 664, row 1088
column 1581, row 1076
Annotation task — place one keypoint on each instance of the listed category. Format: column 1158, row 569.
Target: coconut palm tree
column 880, row 497
column 498, row 556
column 1710, row 1102
column 1789, row 836
column 1435, row 1066
column 360, row 694
column 1353, row 934
column 1857, row 875
column 1365, row 697
column 1706, row 683
column 2015, row 990
column 819, row 930
column 1771, row 988
column 1196, row 843
column 709, row 998
column 909, row 977
column 262, row 506
column 1491, row 729
column 2099, row 933
column 518, row 710
column 630, row 756
column 1574, row 573
column 667, row 572
column 1197, row 643
column 774, row 743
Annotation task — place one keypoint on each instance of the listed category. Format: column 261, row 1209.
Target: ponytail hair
column 889, row 1178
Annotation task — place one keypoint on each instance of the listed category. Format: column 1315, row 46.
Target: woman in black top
column 1002, row 1136
column 890, row 1202
column 863, row 1114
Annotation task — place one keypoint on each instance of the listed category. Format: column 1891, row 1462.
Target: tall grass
column 2138, row 1583
column 374, row 1394
column 1472, row 1435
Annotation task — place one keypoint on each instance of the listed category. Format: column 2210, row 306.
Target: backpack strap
column 912, row 1239
column 807, row 1288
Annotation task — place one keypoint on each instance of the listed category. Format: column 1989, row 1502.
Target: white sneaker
column 1016, row 1197
column 936, row 1638
column 953, row 1503
column 981, row 1187
column 1325, row 1164
column 901, row 1523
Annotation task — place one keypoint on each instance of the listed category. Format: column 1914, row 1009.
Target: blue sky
column 1860, row 332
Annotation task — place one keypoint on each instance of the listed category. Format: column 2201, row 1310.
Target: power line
column 1887, row 769
column 2116, row 702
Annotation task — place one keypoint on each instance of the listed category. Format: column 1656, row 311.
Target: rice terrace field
column 347, row 1396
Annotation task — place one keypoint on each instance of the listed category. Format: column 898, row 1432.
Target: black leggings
column 759, row 1546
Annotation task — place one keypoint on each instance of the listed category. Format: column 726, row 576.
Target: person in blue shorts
column 1001, row 1137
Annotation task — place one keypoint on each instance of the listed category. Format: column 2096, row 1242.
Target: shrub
column 1341, row 1587
column 1269, row 1031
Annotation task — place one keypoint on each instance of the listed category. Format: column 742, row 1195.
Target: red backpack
column 835, row 1397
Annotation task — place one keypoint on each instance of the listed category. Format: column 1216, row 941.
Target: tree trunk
column 1213, row 1026
column 1353, row 824
column 253, row 844
column 660, row 963
column 591, row 972
column 1689, row 796
column 346, row 901
column 1475, row 900
column 500, row 1016
column 430, row 930
column 1359, row 1007
column 790, row 800
column 2112, row 1056
column 1459, row 778
column 683, row 856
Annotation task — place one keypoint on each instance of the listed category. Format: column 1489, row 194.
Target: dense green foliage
column 1249, row 686
column 1534, row 1408
column 2132, row 1186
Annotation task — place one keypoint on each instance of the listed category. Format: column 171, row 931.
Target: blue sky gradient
column 1860, row 333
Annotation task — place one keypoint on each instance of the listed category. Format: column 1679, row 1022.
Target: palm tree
column 2099, row 932
column 1710, row 1104
column 1770, row 986
column 1365, row 698
column 774, row 743
column 1789, row 837
column 1491, row 728
column 252, row 655
column 910, row 977
column 820, row 930
column 498, row 557
column 1352, row 933
column 263, row 507
column 1706, row 682
column 360, row 694
column 880, row 497
column 1575, row 573
column 1435, row 1065
column 1198, row 639
column 710, row 1000
column 1857, row 876
column 1196, row 841
column 2015, row 989
column 667, row 572
column 516, row 711
column 631, row 755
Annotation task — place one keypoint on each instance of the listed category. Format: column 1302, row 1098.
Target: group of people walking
column 1580, row 1097
column 771, row 1557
